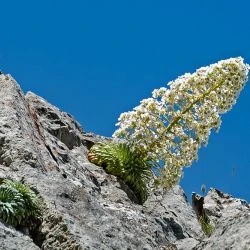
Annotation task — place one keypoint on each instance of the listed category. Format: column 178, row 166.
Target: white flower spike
column 172, row 125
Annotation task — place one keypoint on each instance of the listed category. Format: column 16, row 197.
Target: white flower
column 173, row 124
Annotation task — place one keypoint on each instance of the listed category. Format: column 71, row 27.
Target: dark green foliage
column 11, row 205
column 17, row 202
column 120, row 160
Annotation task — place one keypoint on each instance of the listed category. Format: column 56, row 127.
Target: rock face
column 84, row 207
column 12, row 239
column 231, row 220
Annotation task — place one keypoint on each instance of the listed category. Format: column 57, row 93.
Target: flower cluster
column 172, row 125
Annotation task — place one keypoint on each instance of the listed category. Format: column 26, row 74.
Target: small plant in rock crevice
column 206, row 226
column 18, row 203
column 11, row 205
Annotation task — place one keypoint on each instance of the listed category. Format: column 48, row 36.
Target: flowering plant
column 175, row 122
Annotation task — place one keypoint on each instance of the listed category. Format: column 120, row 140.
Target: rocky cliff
column 86, row 208
column 230, row 218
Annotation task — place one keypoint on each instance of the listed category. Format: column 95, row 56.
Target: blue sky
column 96, row 59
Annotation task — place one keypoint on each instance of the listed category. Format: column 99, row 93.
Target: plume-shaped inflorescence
column 172, row 125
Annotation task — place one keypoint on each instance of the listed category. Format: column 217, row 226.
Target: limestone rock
column 231, row 219
column 84, row 207
column 12, row 239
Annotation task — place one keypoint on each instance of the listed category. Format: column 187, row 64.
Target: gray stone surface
column 231, row 219
column 12, row 239
column 85, row 208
